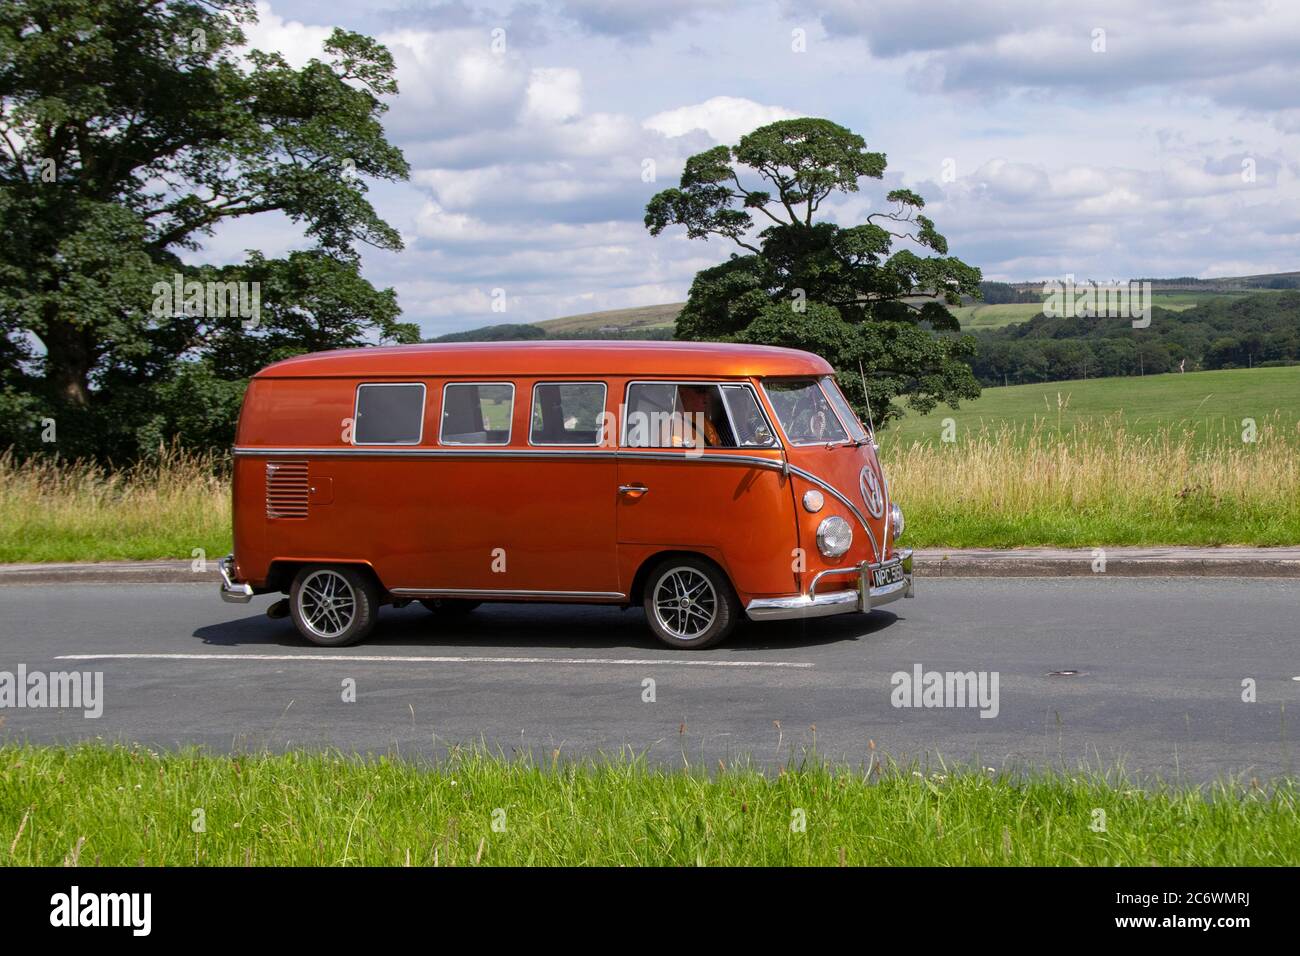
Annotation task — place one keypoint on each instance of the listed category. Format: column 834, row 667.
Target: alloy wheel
column 327, row 604
column 685, row 603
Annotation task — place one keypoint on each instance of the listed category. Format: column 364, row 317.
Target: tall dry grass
column 1096, row 483
column 56, row 510
column 1090, row 485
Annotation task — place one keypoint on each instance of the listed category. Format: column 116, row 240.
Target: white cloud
column 296, row 42
column 451, row 82
column 554, row 95
column 1245, row 52
column 527, row 164
column 1023, row 221
column 724, row 118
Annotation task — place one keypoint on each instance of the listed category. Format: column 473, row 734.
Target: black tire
column 351, row 615
column 450, row 607
column 704, row 611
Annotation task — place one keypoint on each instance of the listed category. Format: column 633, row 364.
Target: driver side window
column 693, row 415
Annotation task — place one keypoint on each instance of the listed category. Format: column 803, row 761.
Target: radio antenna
column 867, row 395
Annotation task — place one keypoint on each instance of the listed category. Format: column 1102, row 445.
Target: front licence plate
column 889, row 574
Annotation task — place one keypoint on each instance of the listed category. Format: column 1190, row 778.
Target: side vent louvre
column 286, row 489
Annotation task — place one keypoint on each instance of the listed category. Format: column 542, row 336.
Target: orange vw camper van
column 701, row 481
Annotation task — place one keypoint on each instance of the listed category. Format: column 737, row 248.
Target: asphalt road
column 1158, row 691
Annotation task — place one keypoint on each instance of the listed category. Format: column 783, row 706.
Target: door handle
column 632, row 491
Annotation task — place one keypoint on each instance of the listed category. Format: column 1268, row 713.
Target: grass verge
column 126, row 806
column 55, row 510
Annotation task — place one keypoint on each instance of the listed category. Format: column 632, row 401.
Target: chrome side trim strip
column 775, row 464
column 337, row 452
column 809, row 476
column 490, row 593
column 532, row 453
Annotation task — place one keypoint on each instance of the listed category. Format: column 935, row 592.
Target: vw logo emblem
column 871, row 492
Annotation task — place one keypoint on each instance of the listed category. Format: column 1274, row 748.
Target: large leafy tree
column 842, row 291
column 129, row 131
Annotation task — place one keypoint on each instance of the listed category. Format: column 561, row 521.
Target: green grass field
column 1208, row 405
column 641, row 317
column 981, row 316
column 987, row 316
column 95, row 805
column 1181, row 301
column 496, row 415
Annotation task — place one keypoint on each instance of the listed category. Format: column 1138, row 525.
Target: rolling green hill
column 982, row 316
column 625, row 320
column 974, row 316
column 1209, row 404
column 1173, row 294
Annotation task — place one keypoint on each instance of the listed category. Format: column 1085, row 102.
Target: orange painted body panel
column 840, row 466
column 519, row 525
column 740, row 515
column 522, row 518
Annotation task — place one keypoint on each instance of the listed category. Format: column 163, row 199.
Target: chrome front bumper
column 230, row 591
column 863, row 597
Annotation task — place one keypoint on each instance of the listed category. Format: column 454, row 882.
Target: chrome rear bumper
column 863, row 597
column 230, row 591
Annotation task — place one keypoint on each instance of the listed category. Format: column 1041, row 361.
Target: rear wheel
column 689, row 603
column 333, row 606
column 450, row 607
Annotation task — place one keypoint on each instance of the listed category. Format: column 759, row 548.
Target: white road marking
column 391, row 659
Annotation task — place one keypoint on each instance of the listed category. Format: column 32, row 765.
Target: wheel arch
column 636, row 593
column 281, row 573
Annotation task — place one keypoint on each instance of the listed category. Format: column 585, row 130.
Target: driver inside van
column 698, row 409
column 668, row 415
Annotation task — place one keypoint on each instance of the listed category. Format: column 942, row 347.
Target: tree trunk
column 68, row 361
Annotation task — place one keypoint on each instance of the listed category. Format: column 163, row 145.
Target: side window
column 670, row 415
column 567, row 413
column 389, row 414
column 748, row 420
column 477, row 413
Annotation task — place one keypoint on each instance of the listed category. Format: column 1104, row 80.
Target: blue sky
column 1100, row 139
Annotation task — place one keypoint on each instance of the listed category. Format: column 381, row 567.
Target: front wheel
column 689, row 603
column 333, row 606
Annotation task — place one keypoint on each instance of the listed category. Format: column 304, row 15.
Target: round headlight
column 813, row 501
column 896, row 516
column 834, row 535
